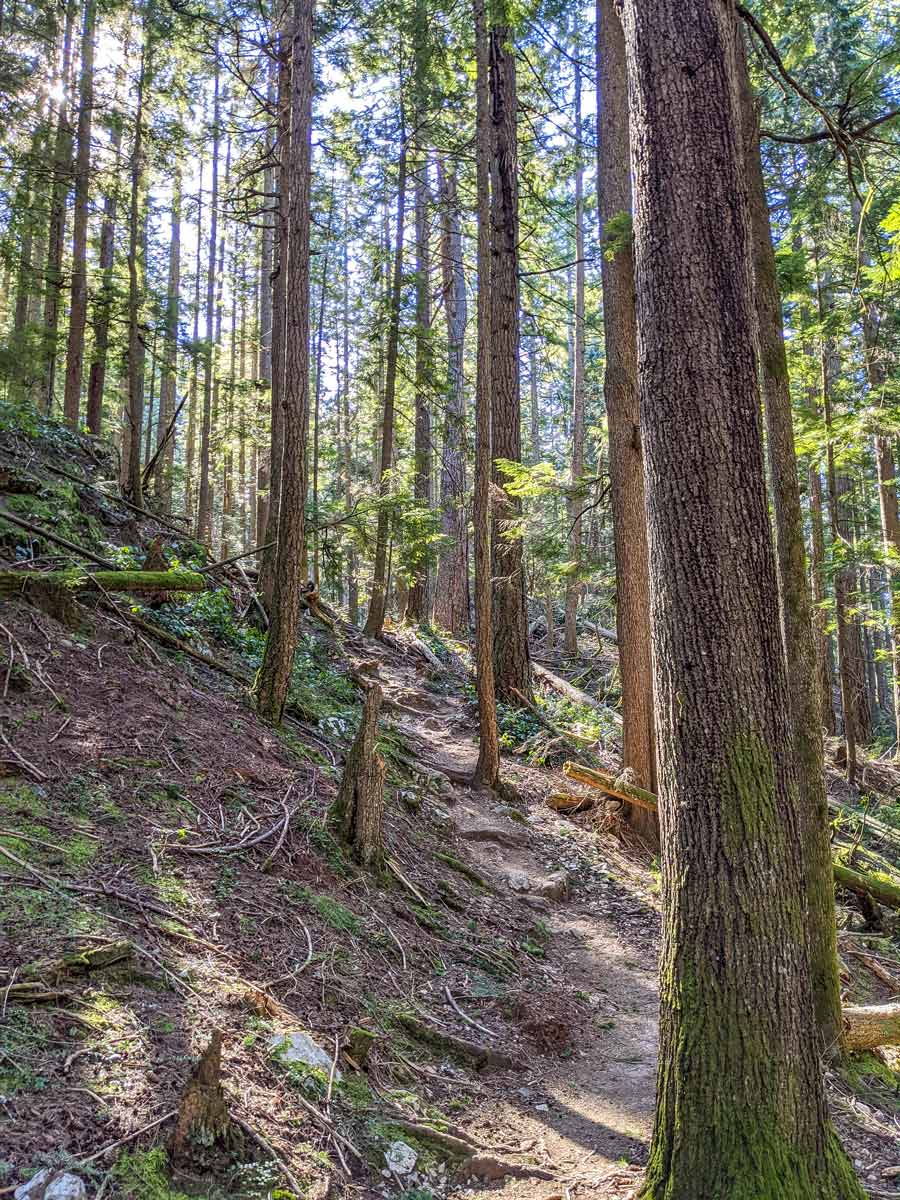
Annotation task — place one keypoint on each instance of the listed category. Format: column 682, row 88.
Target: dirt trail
column 586, row 1117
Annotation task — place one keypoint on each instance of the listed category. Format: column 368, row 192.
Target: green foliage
column 144, row 1175
column 618, row 234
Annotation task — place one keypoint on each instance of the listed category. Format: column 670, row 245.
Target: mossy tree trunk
column 793, row 585
column 358, row 811
column 203, row 1123
column 741, row 1107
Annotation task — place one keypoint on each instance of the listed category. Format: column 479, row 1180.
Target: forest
column 450, row 599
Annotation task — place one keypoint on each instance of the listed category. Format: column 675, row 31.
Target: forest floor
column 505, row 968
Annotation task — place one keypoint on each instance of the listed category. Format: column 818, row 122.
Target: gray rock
column 299, row 1047
column 400, row 1158
column 553, row 887
column 518, row 881
column 44, row 1186
column 476, row 829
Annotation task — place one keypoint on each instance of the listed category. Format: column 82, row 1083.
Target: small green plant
column 143, row 1175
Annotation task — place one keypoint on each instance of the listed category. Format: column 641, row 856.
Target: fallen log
column 878, row 886
column 571, row 692
column 566, row 802
column 78, row 551
column 867, row 1027
column 16, row 583
column 629, row 792
column 609, row 634
column 448, row 1043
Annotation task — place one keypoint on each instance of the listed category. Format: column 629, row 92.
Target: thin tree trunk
column 352, row 581
column 825, row 681
column 620, row 390
column 78, row 296
column 168, row 384
column 275, row 673
column 276, row 433
column 62, row 178
column 378, row 599
column 741, row 1109
column 576, row 500
column 204, row 496
column 487, row 769
column 451, row 602
column 103, row 305
column 512, row 671
column 137, row 266
column 193, row 387
column 417, row 601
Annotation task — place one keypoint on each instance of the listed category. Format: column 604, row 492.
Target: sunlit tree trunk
column 378, row 599
column 204, row 493
column 78, row 295
column 793, row 586
column 168, row 384
column 576, row 500
column 275, row 673
column 451, row 596
column 487, row 770
column 741, row 1108
column 620, row 390
column 512, row 669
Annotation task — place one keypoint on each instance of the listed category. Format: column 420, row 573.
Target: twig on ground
column 22, row 761
column 269, row 1149
column 129, row 1138
column 468, row 1020
column 264, row 987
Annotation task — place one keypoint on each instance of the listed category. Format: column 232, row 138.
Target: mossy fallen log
column 449, row 1043
column 17, row 583
column 874, row 884
column 628, row 792
column 870, row 1026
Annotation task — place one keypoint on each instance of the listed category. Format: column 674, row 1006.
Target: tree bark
column 487, row 769
column 169, row 378
column 61, row 182
column 576, row 500
column 741, row 1108
column 103, row 305
column 378, row 598
column 512, row 671
column 620, row 390
column 825, row 684
column 204, row 494
column 137, row 268
column 358, row 810
column 793, row 584
column 275, row 673
column 78, row 294
column 416, row 604
column 451, row 597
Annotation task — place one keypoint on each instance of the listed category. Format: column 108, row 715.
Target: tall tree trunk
column 533, row 390
column 793, row 586
column 451, row 597
column 487, row 769
column 276, row 432
column 168, row 384
column 347, row 455
column 741, row 1108
column 378, row 599
column 416, row 604
column 204, row 494
column 78, row 297
column 104, row 303
column 512, row 669
column 620, row 390
column 137, row 269
column 193, row 386
column 61, row 182
column 576, row 499
column 275, row 673
column 265, row 342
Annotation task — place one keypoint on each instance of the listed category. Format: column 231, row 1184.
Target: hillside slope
column 481, row 1018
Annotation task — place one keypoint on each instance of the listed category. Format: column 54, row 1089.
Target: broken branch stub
column 358, row 811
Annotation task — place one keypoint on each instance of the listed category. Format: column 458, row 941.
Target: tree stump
column 203, row 1123
column 358, row 811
